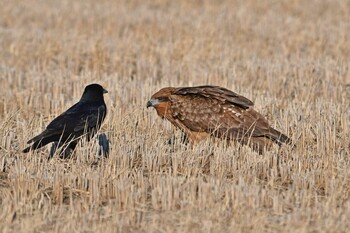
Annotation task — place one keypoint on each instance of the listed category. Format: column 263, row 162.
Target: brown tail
column 278, row 137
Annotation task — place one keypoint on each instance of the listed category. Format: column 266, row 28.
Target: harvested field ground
column 291, row 57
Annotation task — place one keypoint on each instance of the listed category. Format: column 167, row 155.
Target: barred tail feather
column 279, row 137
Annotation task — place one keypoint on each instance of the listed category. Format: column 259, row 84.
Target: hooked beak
column 152, row 103
column 104, row 91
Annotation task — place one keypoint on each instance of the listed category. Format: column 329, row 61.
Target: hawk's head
column 161, row 100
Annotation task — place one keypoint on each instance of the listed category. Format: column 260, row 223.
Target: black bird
column 82, row 119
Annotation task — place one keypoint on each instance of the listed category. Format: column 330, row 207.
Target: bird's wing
column 91, row 119
column 216, row 92
column 218, row 116
column 79, row 117
column 74, row 121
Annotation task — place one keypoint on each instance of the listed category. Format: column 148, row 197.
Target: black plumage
column 82, row 119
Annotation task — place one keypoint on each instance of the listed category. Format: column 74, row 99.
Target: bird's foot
column 64, row 152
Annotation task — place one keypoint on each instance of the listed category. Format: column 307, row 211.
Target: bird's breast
column 162, row 109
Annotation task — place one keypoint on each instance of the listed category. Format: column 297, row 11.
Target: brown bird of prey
column 82, row 119
column 216, row 111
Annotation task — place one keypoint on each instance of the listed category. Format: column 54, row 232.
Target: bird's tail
column 36, row 138
column 279, row 137
column 26, row 150
column 39, row 142
column 36, row 145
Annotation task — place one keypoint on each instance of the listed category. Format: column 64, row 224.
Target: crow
column 83, row 119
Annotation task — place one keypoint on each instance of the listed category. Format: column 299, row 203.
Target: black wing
column 79, row 119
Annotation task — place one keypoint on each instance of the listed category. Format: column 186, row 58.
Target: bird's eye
column 163, row 98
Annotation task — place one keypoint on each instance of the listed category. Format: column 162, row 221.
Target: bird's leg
column 103, row 143
column 53, row 150
column 65, row 150
column 66, row 153
column 183, row 139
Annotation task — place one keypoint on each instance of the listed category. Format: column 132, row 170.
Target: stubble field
column 291, row 58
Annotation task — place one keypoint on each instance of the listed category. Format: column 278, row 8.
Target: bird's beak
column 104, row 91
column 152, row 103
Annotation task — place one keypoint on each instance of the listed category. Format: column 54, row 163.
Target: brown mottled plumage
column 211, row 110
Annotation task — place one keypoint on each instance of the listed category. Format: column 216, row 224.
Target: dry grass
column 290, row 57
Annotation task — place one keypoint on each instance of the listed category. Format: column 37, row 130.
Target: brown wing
column 218, row 93
column 200, row 112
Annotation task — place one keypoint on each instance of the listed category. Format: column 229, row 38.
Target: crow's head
column 93, row 92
